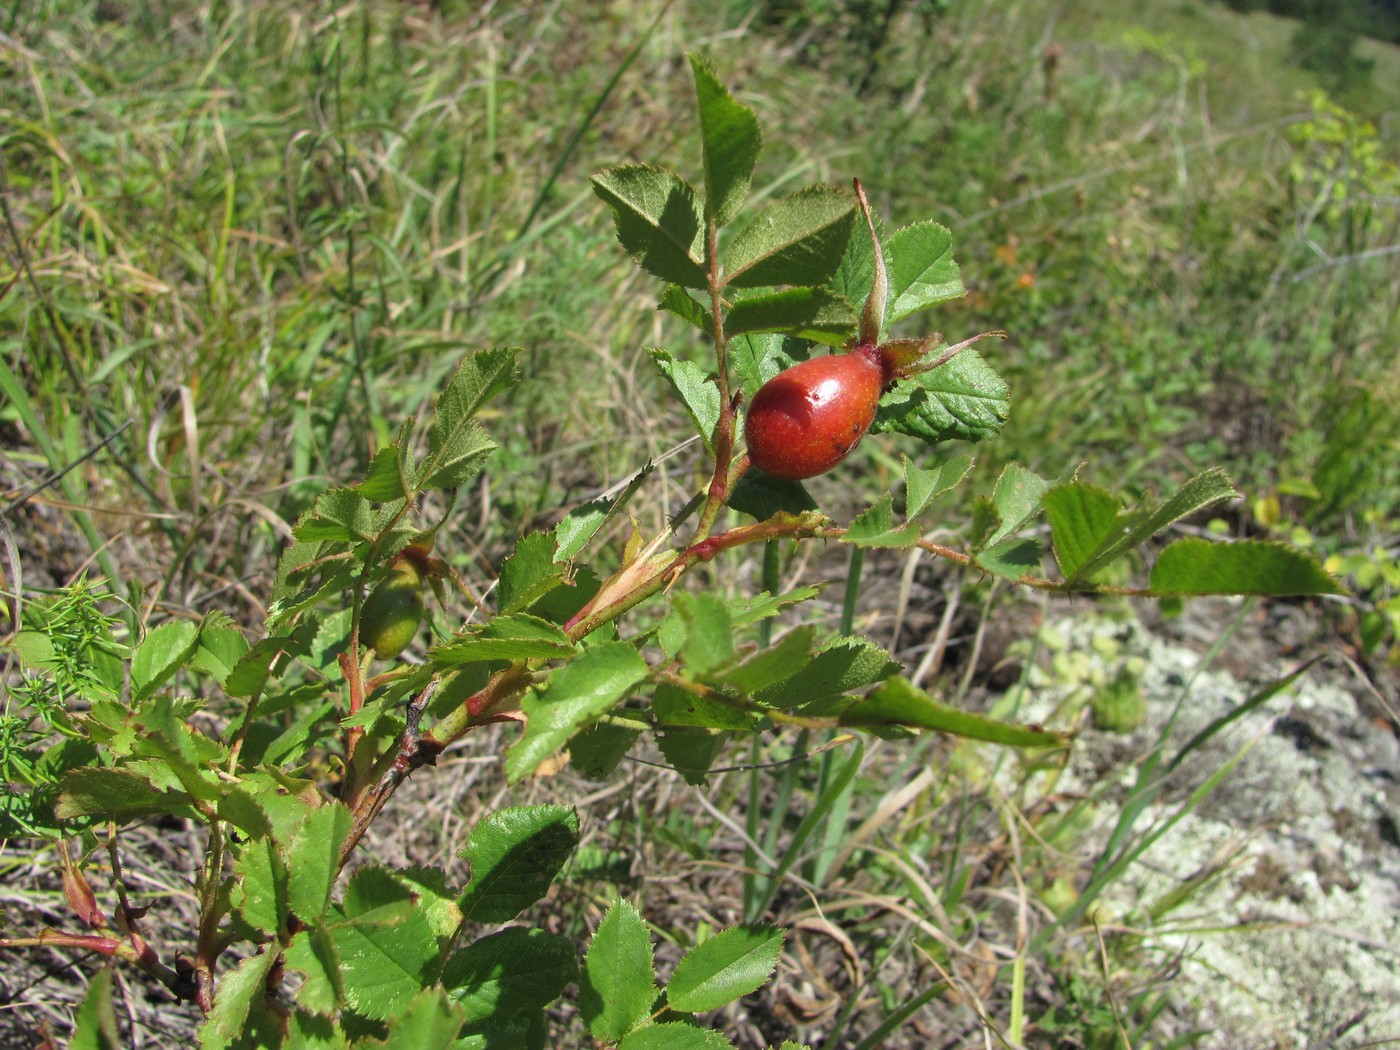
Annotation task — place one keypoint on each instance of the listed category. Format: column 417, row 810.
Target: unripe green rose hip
column 393, row 612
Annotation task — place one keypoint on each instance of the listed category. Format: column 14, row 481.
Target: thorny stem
column 716, row 289
column 723, row 437
column 488, row 704
column 417, row 748
column 492, row 703
column 206, row 946
column 351, row 668
column 141, row 956
column 106, row 944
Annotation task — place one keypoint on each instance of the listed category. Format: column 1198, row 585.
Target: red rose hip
column 807, row 419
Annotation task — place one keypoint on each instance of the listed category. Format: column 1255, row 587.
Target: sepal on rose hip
column 902, row 358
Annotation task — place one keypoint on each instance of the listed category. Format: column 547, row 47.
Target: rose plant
column 293, row 950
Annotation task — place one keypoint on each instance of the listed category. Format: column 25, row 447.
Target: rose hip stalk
column 808, row 418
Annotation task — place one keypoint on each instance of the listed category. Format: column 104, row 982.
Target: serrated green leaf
column 618, row 983
column 855, row 276
column 310, row 1031
column 515, row 854
column 384, row 965
column 875, row 527
column 95, row 1022
column 708, row 632
column 529, row 573
column 729, row 965
column 479, row 378
column 1092, row 539
column 749, row 610
column 517, row 637
column 843, row 665
column 673, row 706
column 1017, row 495
column 899, row 702
column 596, row 751
column 376, row 895
column 343, row 515
column 986, row 519
column 1197, row 566
column 764, row 497
column 239, row 988
column 430, row 1021
column 696, row 389
column 817, row 314
column 386, row 479
column 922, row 272
column 758, row 356
column 922, row 487
column 1084, row 519
column 1209, row 486
column 291, row 601
column 297, row 561
column 261, row 870
column 168, row 731
column 526, row 1031
column 112, row 792
column 460, row 456
column 579, row 526
column 240, row 807
column 1010, row 559
column 311, row 952
column 680, row 303
column 659, row 221
column 572, row 534
column 220, row 648
column 731, row 139
column 769, row 666
column 457, row 444
column 314, row 854
column 180, row 751
column 795, row 240
column 161, row 653
column 674, row 1035
column 691, row 750
column 963, row 399
column 507, row 973
column 304, row 730
column 572, row 697
column 434, row 897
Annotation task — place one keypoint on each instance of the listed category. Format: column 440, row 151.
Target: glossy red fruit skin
column 807, row 419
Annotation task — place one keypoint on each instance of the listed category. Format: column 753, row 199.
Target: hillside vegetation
column 243, row 242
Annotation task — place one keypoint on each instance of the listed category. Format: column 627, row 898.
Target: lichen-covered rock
column 1295, row 940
